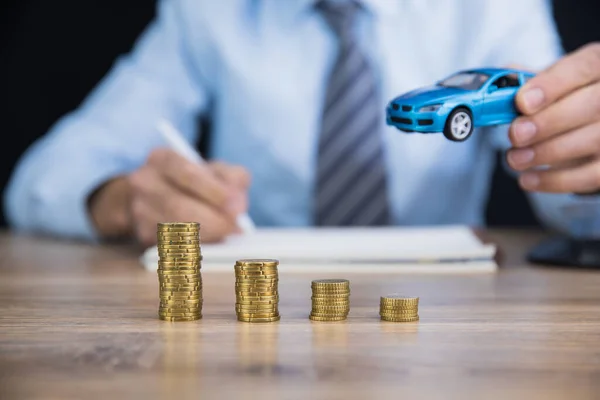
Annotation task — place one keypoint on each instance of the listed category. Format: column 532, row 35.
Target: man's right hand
column 171, row 188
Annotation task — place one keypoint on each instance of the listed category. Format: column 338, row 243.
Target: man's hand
column 171, row 188
column 560, row 128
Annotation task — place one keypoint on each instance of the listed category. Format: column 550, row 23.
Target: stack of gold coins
column 257, row 299
column 399, row 308
column 330, row 299
column 179, row 263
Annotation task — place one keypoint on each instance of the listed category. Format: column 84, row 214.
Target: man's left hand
column 560, row 126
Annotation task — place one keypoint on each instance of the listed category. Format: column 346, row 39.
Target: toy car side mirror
column 492, row 88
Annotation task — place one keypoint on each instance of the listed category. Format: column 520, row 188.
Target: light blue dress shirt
column 259, row 69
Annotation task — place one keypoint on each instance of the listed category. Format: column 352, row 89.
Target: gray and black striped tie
column 351, row 187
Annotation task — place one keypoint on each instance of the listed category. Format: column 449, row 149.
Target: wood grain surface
column 79, row 321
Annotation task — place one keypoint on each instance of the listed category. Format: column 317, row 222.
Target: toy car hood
column 429, row 94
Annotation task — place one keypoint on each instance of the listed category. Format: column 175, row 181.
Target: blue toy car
column 459, row 103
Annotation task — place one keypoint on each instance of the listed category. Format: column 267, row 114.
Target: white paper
column 420, row 249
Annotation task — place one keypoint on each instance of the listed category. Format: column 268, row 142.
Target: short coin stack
column 399, row 308
column 330, row 299
column 179, row 262
column 257, row 298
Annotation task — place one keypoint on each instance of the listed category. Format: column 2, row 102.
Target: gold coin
column 264, row 283
column 180, row 319
column 179, row 280
column 327, row 319
column 256, row 289
column 245, row 293
column 271, row 319
column 171, row 253
column 188, row 315
column 248, row 271
column 176, row 271
column 323, row 313
column 189, row 235
column 182, row 261
column 256, row 267
column 178, row 230
column 259, row 303
column 396, row 308
column 243, row 306
column 177, row 299
column 342, row 283
column 399, row 315
column 188, row 264
column 388, row 312
column 180, row 304
column 328, row 309
column 170, row 231
column 177, row 285
column 257, row 294
column 179, row 312
column 395, row 319
column 260, row 282
column 257, row 277
column 181, row 292
column 333, row 297
column 396, row 298
column 179, row 274
column 172, row 225
column 331, row 294
column 194, row 245
column 257, row 315
column 329, row 302
column 258, row 262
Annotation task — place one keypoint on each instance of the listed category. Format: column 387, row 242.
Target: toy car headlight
column 430, row 108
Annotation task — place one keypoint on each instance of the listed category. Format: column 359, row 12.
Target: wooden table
column 79, row 321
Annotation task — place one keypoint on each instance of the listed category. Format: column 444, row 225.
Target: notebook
column 437, row 249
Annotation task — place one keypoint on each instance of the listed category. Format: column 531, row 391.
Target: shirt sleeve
column 532, row 41
column 112, row 131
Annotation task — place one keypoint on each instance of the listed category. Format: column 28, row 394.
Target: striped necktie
column 351, row 187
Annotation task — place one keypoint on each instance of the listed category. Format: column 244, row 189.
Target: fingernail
column 521, row 156
column 533, row 98
column 530, row 180
column 524, row 131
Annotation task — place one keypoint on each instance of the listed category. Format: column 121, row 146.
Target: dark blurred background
column 52, row 53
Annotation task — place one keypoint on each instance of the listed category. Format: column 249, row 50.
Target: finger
column 575, row 179
column 195, row 179
column 580, row 143
column 575, row 70
column 150, row 186
column 235, row 175
column 145, row 218
column 215, row 225
column 576, row 110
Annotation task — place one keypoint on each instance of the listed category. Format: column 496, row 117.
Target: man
column 296, row 92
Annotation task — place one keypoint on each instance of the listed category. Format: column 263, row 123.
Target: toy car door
column 498, row 104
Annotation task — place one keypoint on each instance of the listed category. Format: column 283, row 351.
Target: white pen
column 180, row 145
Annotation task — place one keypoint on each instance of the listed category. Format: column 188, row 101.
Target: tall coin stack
column 330, row 299
column 179, row 262
column 257, row 298
column 399, row 308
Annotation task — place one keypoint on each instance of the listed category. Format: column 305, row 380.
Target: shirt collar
column 378, row 8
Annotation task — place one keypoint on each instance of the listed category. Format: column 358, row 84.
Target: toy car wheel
column 459, row 125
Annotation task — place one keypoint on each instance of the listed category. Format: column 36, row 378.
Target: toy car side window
column 507, row 81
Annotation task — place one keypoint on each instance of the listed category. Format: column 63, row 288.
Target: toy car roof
column 493, row 71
